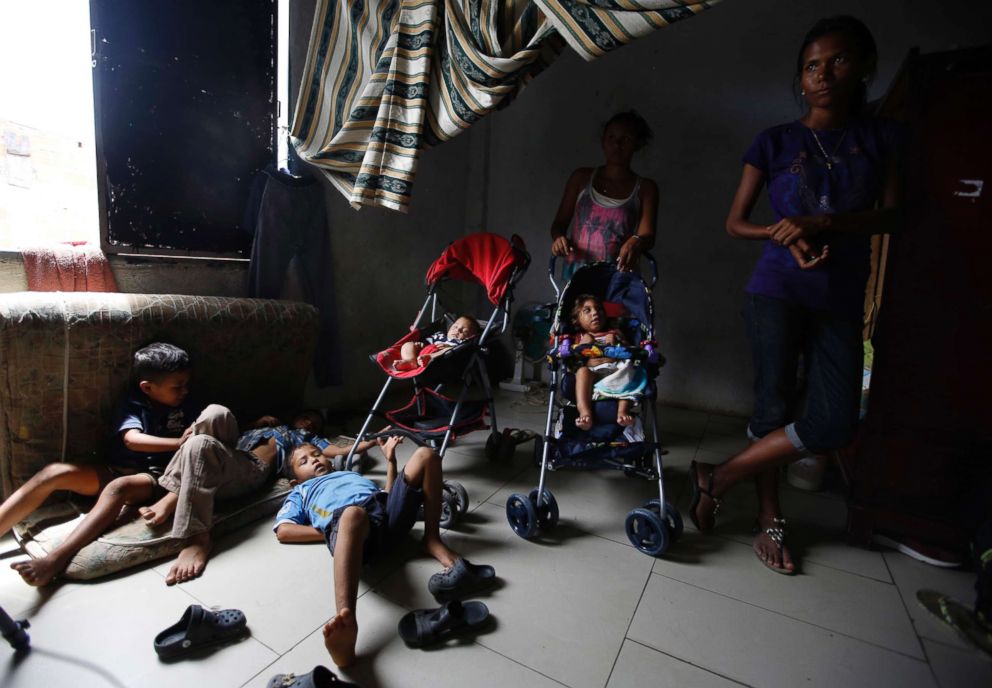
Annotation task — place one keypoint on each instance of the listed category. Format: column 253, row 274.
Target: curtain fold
column 387, row 78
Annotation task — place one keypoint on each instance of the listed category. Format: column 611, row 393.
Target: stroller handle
column 647, row 256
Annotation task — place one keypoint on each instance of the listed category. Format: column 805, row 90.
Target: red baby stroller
column 431, row 418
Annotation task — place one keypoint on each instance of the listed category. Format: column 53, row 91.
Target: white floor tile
column 104, row 636
column 563, row 606
column 385, row 661
column 835, row 600
column 959, row 668
column 639, row 666
column 911, row 575
column 761, row 648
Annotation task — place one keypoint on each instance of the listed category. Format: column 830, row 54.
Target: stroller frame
column 650, row 528
column 496, row 325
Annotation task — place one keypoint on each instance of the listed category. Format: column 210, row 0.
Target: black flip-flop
column 462, row 580
column 320, row 677
column 199, row 628
column 697, row 492
column 776, row 533
column 423, row 627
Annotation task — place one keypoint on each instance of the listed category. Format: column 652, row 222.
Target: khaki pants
column 207, row 466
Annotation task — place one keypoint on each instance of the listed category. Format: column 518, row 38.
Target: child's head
column 588, row 314
column 623, row 134
column 310, row 420
column 464, row 327
column 162, row 372
column 305, row 462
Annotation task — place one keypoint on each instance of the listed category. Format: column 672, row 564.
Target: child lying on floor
column 359, row 522
column 417, row 354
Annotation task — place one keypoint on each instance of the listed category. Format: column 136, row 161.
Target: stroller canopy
column 486, row 258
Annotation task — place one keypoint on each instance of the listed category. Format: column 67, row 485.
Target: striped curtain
column 387, row 78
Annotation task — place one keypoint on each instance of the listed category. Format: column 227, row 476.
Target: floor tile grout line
column 797, row 620
column 478, row 642
column 626, row 631
column 913, row 624
column 692, row 664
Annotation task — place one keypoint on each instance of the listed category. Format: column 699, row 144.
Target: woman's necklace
column 819, row 145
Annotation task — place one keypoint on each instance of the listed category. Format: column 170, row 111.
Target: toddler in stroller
column 591, row 424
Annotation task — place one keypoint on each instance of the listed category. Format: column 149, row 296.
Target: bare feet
column 159, row 512
column 340, row 637
column 38, row 572
column 625, row 419
column 437, row 549
column 769, row 545
column 583, row 422
column 192, row 560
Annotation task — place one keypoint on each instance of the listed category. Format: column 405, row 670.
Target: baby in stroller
column 417, row 353
column 607, row 373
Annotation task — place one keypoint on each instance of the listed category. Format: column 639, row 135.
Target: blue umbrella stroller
column 652, row 527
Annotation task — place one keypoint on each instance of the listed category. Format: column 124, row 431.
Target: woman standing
column 831, row 184
column 608, row 212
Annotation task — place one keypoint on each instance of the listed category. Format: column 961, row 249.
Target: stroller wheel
column 449, row 511
column 546, row 509
column 522, row 515
column 647, row 532
column 458, row 493
column 671, row 515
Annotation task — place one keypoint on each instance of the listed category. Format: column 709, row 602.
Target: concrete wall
column 706, row 86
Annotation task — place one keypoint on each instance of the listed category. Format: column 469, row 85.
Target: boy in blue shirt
column 359, row 522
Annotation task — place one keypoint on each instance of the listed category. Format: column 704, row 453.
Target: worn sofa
column 65, row 360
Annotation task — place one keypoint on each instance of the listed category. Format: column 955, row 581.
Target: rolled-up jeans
column 208, row 467
column 833, row 357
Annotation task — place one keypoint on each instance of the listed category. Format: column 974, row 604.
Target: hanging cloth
column 385, row 79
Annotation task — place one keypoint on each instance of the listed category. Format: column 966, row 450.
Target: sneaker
column 921, row 551
column 807, row 474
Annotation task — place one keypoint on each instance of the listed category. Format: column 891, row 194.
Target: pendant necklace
column 819, row 145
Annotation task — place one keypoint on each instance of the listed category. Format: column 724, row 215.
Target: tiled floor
column 578, row 607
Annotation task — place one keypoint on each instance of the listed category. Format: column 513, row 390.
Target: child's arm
column 389, row 451
column 331, row 450
column 294, row 533
column 138, row 441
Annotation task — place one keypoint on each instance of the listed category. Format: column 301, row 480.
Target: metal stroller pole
column 13, row 632
column 365, row 426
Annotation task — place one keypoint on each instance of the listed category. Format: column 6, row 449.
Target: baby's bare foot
column 583, row 422
column 625, row 419
column 340, row 637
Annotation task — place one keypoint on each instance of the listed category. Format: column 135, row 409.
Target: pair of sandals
column 424, row 627
column 775, row 532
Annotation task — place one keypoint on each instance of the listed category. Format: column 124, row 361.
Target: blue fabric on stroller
column 606, row 444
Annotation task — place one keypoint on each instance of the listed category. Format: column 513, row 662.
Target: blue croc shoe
column 462, row 580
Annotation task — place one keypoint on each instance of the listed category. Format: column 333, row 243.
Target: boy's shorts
column 391, row 516
column 153, row 473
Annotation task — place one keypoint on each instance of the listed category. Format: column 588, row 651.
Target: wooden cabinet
column 927, row 435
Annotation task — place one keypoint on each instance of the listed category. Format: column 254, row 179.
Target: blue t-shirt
column 138, row 412
column 800, row 183
column 313, row 502
column 287, row 439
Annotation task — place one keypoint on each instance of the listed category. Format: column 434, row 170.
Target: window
column 186, row 114
column 48, row 190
